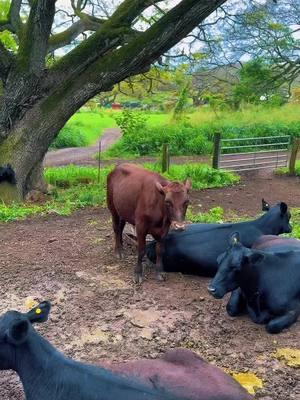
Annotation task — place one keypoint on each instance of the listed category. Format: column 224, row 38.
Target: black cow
column 46, row 374
column 268, row 282
column 195, row 250
column 7, row 174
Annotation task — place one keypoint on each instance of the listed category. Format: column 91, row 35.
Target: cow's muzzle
column 213, row 291
column 178, row 226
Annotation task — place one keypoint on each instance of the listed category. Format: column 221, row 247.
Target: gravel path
column 82, row 155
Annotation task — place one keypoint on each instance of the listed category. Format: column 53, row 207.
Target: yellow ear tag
column 38, row 311
column 235, row 240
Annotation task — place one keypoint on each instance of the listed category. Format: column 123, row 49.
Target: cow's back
column 131, row 191
column 184, row 373
column 195, row 250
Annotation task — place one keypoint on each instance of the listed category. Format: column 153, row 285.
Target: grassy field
column 76, row 187
column 83, row 129
column 193, row 136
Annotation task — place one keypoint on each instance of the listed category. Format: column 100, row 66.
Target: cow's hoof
column 119, row 254
column 138, row 278
column 161, row 277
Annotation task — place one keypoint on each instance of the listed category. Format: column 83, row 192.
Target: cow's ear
column 265, row 206
column 234, row 239
column 39, row 313
column 253, row 258
column 160, row 188
column 188, row 184
column 283, row 208
column 221, row 257
column 18, row 331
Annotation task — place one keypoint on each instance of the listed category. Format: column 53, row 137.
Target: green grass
column 285, row 170
column 76, row 187
column 83, row 129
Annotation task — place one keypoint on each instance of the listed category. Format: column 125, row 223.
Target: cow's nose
column 211, row 289
column 178, row 226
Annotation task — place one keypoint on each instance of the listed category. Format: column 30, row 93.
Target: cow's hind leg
column 236, row 304
column 160, row 275
column 277, row 324
column 141, row 239
column 118, row 226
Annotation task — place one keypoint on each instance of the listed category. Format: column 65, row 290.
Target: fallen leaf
column 248, row 380
column 290, row 357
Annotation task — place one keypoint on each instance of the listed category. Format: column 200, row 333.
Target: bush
column 185, row 139
column 70, row 136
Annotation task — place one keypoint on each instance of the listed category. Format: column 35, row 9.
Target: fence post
column 165, row 162
column 216, row 150
column 293, row 157
column 99, row 161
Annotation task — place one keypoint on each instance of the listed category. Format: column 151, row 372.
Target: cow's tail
column 151, row 251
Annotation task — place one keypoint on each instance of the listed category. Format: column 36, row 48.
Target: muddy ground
column 99, row 314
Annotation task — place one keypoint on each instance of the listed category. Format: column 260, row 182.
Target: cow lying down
column 195, row 250
column 46, row 374
column 267, row 281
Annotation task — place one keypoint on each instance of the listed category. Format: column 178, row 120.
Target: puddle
column 290, row 357
column 248, row 380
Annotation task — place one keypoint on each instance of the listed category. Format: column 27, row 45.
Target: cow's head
column 15, row 330
column 7, row 174
column 176, row 199
column 277, row 219
column 230, row 266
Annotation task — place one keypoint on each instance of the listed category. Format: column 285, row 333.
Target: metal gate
column 246, row 154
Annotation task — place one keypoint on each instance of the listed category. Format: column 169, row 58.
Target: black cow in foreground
column 46, row 374
column 267, row 282
column 195, row 250
column 7, row 174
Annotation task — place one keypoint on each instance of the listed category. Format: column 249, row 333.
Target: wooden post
column 165, row 162
column 99, row 161
column 216, row 150
column 293, row 157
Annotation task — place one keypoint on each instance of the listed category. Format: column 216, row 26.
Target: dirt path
column 245, row 198
column 81, row 155
column 99, row 314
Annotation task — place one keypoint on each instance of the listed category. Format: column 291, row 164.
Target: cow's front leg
column 141, row 239
column 236, row 304
column 160, row 274
column 277, row 324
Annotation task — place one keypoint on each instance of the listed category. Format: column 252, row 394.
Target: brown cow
column 150, row 202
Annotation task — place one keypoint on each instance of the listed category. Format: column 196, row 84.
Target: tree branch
column 66, row 37
column 137, row 56
column 6, row 59
column 14, row 15
column 34, row 43
column 13, row 22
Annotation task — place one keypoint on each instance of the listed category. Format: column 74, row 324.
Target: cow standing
column 151, row 203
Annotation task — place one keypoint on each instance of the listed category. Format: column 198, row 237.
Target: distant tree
column 254, row 30
column 256, row 83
